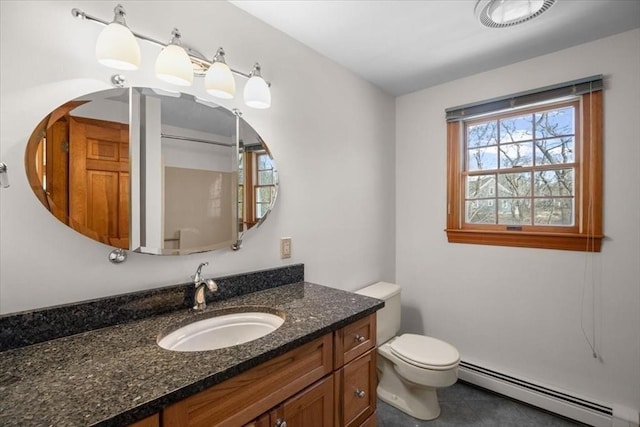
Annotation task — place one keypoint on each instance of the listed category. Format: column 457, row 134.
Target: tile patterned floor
column 465, row 405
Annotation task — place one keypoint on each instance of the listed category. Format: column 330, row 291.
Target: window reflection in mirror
column 258, row 178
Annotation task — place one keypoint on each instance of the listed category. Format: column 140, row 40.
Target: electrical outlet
column 285, row 247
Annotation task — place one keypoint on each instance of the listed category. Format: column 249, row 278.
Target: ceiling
column 402, row 46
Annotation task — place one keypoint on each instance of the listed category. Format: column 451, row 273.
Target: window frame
column 585, row 235
column 257, row 185
column 251, row 186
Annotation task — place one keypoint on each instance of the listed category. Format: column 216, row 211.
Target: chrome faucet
column 199, row 298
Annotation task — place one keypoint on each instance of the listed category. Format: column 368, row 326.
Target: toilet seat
column 425, row 352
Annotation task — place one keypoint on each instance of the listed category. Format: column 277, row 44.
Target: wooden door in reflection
column 99, row 180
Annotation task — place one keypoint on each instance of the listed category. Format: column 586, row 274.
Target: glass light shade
column 504, row 11
column 174, row 66
column 219, row 81
column 117, row 48
column 257, row 93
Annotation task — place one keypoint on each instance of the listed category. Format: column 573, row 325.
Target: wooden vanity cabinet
column 328, row 382
column 355, row 373
column 240, row 399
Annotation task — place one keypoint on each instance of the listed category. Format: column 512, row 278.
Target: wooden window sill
column 528, row 239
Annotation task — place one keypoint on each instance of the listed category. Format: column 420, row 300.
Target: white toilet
column 410, row 367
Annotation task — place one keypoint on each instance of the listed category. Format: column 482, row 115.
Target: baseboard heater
column 577, row 408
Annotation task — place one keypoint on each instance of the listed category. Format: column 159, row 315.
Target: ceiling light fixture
column 177, row 64
column 507, row 13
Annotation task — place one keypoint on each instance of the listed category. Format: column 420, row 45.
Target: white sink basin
column 221, row 331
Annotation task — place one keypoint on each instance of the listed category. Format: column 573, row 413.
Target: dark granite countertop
column 118, row 375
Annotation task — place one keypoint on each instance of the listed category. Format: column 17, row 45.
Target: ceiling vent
column 507, row 13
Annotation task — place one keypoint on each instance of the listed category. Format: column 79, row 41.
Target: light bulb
column 219, row 81
column 256, row 92
column 173, row 64
column 117, row 48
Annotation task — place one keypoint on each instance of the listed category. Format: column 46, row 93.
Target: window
column 241, row 212
column 265, row 184
column 529, row 176
column 258, row 187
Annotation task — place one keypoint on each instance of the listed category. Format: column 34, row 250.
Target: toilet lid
column 425, row 352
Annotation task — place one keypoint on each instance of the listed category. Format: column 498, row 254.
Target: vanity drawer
column 356, row 389
column 354, row 340
column 241, row 399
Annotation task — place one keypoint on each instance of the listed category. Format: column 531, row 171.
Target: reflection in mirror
column 187, row 174
column 77, row 163
column 258, row 178
column 151, row 171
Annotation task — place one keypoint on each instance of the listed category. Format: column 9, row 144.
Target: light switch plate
column 285, row 247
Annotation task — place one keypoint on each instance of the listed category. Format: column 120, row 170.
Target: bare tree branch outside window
column 528, row 162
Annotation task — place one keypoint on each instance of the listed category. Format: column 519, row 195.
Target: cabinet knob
column 360, row 338
column 360, row 393
column 280, row 423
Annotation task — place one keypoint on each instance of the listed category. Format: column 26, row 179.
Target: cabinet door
column 312, row 407
column 356, row 390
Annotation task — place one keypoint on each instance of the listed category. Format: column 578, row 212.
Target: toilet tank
column 388, row 318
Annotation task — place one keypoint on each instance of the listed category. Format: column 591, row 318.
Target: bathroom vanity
column 317, row 369
column 328, row 381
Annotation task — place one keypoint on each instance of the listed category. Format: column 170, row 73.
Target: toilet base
column 422, row 405
column 405, row 387
column 416, row 400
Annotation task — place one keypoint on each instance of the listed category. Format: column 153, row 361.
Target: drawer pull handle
column 360, row 393
column 360, row 338
column 281, row 423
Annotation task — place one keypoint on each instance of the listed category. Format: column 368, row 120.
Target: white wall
column 198, row 155
column 332, row 136
column 519, row 310
column 330, row 132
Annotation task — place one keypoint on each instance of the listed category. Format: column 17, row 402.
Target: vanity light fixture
column 256, row 91
column 177, row 64
column 116, row 46
column 173, row 64
column 219, row 81
column 507, row 13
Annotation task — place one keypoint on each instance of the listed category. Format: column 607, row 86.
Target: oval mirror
column 152, row 171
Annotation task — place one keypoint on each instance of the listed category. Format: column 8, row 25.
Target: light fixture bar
column 196, row 57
